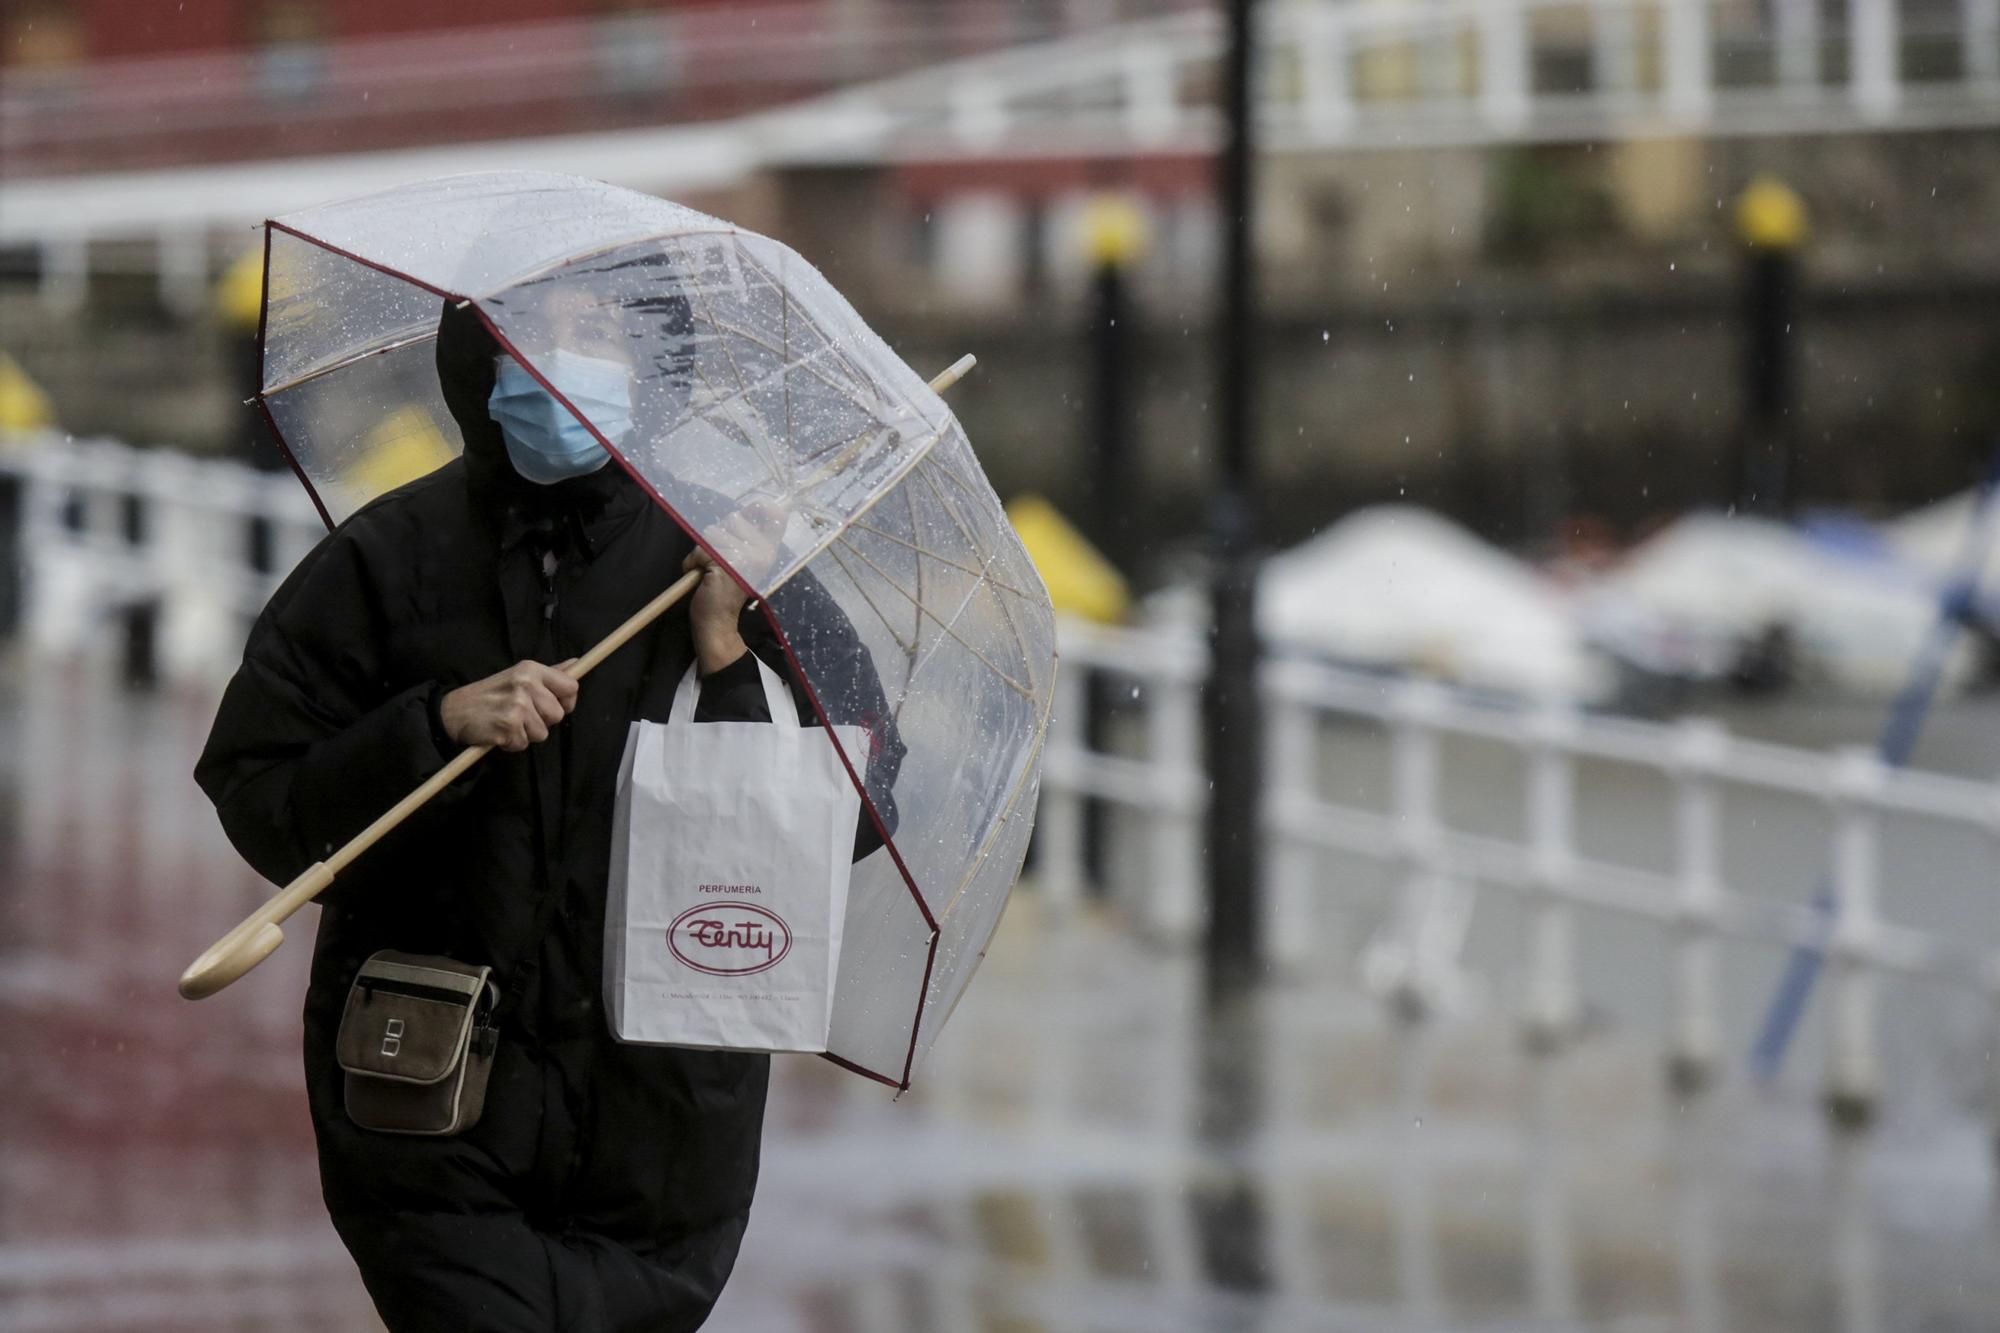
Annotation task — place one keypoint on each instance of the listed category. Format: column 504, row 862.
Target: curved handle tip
column 227, row 960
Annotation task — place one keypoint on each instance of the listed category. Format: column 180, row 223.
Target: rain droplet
column 1325, row 335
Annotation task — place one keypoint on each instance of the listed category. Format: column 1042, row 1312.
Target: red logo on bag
column 729, row 939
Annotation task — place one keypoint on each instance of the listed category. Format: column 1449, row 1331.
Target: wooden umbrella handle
column 254, row 938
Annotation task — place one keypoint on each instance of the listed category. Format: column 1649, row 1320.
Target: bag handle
column 777, row 697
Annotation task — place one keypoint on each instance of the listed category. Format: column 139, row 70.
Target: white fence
column 1414, row 960
column 105, row 530
column 108, row 534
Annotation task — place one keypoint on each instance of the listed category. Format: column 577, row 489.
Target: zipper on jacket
column 549, row 592
column 549, row 759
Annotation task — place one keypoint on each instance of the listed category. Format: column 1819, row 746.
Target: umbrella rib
column 316, row 372
column 715, row 414
column 916, row 614
column 1028, row 771
column 993, row 834
column 535, row 275
column 829, row 517
column 909, row 649
column 1020, row 634
column 749, row 259
column 941, row 559
column 964, row 489
column 949, row 508
column 950, row 627
column 848, row 448
column 729, row 428
column 785, row 353
column 695, row 365
column 826, row 349
column 753, row 438
column 888, row 486
column 1020, row 637
column 803, row 363
column 708, row 308
column 725, row 399
column 808, row 363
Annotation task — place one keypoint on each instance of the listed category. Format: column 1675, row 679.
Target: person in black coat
column 605, row 1186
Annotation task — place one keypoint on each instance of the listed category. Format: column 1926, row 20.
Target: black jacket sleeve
column 733, row 694
column 848, row 686
column 311, row 741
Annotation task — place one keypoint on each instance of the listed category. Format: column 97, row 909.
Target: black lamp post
column 1234, row 726
column 1771, row 227
column 1116, row 234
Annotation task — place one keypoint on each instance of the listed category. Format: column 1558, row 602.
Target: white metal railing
column 104, row 529
column 1438, row 866
column 107, row 531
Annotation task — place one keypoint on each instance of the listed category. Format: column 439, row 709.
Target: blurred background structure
column 1627, row 371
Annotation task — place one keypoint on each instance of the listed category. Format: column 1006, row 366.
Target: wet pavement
column 1092, row 1149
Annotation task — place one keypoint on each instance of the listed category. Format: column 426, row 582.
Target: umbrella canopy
column 786, row 438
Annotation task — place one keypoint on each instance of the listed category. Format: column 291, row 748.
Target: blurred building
column 101, row 84
column 1499, row 252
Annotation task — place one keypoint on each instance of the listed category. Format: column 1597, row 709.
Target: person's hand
column 718, row 604
column 750, row 536
column 511, row 709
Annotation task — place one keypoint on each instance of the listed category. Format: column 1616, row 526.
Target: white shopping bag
column 731, row 845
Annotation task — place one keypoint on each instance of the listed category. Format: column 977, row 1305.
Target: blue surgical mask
column 546, row 443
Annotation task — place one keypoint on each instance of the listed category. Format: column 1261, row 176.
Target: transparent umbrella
column 784, row 436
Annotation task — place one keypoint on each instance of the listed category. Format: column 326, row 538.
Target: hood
column 465, row 352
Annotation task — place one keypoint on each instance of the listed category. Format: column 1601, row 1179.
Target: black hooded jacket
column 606, row 1186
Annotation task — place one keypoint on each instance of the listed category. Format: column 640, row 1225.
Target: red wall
column 114, row 28
column 121, row 28
column 362, row 18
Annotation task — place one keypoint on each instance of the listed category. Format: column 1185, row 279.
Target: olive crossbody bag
column 416, row 1043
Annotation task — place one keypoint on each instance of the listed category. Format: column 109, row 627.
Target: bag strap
column 777, row 697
